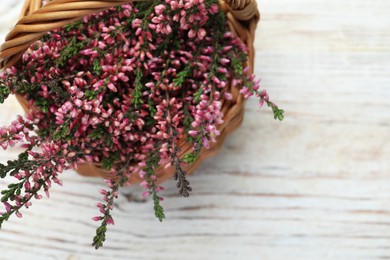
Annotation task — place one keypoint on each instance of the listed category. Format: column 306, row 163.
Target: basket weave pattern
column 36, row 19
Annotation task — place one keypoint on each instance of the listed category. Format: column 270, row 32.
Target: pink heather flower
column 17, row 201
column 57, row 181
column 205, row 143
column 227, row 48
column 138, row 32
column 159, row 188
column 214, row 9
column 244, row 90
column 136, row 23
column 7, row 206
column 223, row 70
column 144, row 184
column 18, row 214
column 142, row 174
column 3, row 144
column 123, row 77
column 216, row 80
column 261, row 103
column 88, row 52
column 71, row 154
column 27, row 185
column 256, row 85
column 126, row 13
column 224, row 61
column 188, row 5
column 264, row 95
column 201, row 33
column 112, row 87
column 78, row 102
column 191, row 33
column 168, row 29
column 174, row 5
column 103, row 192
column 110, row 183
column 11, row 71
column 176, row 18
column 97, row 218
column 159, row 9
column 193, row 133
column 110, row 221
column 228, row 96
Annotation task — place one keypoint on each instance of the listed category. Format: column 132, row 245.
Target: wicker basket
column 36, row 20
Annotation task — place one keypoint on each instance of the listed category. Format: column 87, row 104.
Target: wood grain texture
column 316, row 186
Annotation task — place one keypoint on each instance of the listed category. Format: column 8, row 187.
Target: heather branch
column 106, row 209
column 151, row 181
column 180, row 175
column 39, row 170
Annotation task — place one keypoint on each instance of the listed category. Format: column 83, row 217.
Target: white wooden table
column 316, row 186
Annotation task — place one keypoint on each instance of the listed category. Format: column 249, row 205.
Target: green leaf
column 158, row 209
column 72, row 49
column 100, row 236
column 97, row 133
column 91, row 94
column 181, row 76
column 61, row 132
column 132, row 115
column 137, row 92
column 278, row 113
column 42, row 104
column 23, row 157
column 73, row 26
column 109, row 162
column 197, row 95
column 3, row 171
column 190, row 157
column 96, row 66
column 45, row 132
column 237, row 66
column 152, row 108
column 4, row 93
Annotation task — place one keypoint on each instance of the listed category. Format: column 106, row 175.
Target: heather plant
column 119, row 89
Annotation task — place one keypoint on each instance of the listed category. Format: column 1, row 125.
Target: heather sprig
column 151, row 182
column 34, row 172
column 172, row 129
column 108, row 196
